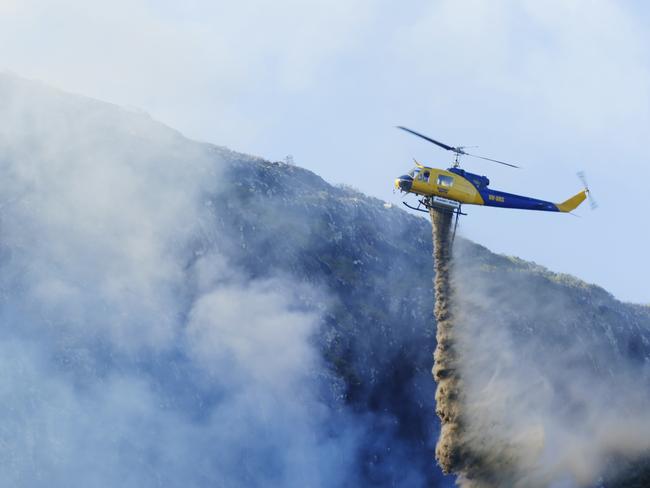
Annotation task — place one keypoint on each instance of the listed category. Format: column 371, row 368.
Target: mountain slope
column 377, row 262
column 174, row 313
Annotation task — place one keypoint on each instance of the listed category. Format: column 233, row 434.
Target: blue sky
column 555, row 86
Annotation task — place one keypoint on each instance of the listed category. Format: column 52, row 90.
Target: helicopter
column 449, row 189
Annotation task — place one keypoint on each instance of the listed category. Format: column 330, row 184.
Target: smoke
column 159, row 323
column 534, row 388
column 133, row 352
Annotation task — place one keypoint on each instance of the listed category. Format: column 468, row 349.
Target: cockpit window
column 414, row 172
column 445, row 181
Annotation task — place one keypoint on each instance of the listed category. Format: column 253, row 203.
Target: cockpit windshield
column 414, row 173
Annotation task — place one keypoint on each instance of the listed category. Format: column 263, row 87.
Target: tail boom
column 573, row 202
column 495, row 198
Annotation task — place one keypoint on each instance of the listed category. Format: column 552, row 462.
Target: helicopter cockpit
column 421, row 174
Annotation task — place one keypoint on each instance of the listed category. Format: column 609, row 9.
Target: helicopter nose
column 404, row 183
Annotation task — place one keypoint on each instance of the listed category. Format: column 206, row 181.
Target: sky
column 554, row 86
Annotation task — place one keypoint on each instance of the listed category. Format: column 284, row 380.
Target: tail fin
column 573, row 202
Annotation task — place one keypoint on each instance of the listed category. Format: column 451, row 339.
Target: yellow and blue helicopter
column 451, row 188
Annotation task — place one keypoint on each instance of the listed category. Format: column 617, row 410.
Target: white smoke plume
column 544, row 402
column 130, row 355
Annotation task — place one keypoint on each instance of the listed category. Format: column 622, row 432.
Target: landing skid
column 428, row 204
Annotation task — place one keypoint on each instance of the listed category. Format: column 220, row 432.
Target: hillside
column 175, row 313
column 566, row 333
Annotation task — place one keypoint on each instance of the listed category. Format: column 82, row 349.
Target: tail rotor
column 583, row 179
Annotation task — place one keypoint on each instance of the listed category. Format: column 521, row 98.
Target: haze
column 554, row 86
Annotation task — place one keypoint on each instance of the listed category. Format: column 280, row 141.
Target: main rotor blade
column 437, row 143
column 457, row 150
column 493, row 160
